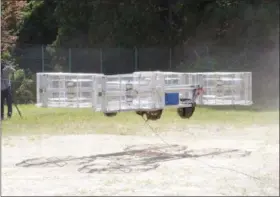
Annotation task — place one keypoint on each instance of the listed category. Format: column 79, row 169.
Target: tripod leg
column 18, row 110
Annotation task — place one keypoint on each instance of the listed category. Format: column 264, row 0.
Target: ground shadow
column 132, row 159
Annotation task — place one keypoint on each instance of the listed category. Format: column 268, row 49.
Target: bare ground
column 195, row 160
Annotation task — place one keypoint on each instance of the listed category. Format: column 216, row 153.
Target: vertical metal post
column 170, row 32
column 69, row 59
column 43, row 58
column 135, row 59
column 101, row 60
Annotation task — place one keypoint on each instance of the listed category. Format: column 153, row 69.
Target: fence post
column 43, row 58
column 135, row 59
column 69, row 59
column 101, row 59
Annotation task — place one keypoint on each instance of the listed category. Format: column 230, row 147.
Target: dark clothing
column 6, row 92
column 5, row 72
column 6, row 95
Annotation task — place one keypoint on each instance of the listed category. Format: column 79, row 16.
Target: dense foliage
column 202, row 34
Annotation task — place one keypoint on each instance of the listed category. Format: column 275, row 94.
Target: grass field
column 235, row 153
column 68, row 121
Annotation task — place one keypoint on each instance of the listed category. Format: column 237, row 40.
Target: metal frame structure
column 144, row 92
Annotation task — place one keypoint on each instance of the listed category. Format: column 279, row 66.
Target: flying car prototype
column 147, row 93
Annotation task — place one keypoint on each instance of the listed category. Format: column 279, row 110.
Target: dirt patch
column 214, row 160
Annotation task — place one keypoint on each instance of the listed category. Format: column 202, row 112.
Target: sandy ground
column 195, row 160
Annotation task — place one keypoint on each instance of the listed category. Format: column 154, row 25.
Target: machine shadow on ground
column 132, row 159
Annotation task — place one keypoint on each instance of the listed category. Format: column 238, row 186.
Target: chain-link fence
column 94, row 60
column 40, row 58
column 192, row 58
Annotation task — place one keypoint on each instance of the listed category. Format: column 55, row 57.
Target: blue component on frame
column 171, row 98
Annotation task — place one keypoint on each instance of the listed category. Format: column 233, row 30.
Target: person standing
column 6, row 90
